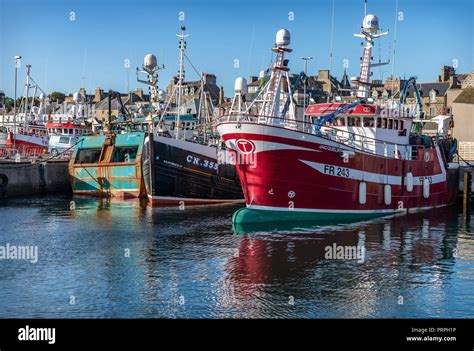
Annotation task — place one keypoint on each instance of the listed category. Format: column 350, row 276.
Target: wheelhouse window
column 353, row 121
column 340, row 121
column 87, row 156
column 125, row 154
column 369, row 122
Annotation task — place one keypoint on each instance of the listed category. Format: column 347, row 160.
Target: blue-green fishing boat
column 108, row 165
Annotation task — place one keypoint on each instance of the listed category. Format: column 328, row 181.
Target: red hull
column 299, row 171
column 28, row 144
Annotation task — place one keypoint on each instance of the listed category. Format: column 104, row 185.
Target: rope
column 469, row 164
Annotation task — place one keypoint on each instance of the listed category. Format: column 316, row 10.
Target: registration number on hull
column 337, row 171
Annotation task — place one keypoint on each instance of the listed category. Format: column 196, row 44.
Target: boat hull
column 108, row 175
column 178, row 172
column 296, row 175
column 28, row 145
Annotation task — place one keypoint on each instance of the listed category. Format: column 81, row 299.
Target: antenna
column 46, row 74
column 84, row 68
column 151, row 69
column 268, row 98
column 394, row 46
column 182, row 48
column 370, row 30
column 332, row 37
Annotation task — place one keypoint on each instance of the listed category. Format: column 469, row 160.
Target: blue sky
column 105, row 33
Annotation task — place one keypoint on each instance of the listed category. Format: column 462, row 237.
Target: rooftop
column 425, row 88
column 466, row 97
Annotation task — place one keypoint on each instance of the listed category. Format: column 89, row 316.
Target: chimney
column 98, row 94
column 323, row 74
column 453, row 82
column 446, row 73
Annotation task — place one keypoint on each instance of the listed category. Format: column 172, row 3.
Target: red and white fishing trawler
column 26, row 135
column 31, row 140
column 30, row 132
column 343, row 161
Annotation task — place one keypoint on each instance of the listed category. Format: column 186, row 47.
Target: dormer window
column 433, row 96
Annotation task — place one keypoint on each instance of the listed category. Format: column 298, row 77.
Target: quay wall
column 25, row 178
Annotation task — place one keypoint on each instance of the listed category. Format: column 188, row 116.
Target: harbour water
column 125, row 259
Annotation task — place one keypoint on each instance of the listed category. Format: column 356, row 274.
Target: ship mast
column 369, row 32
column 27, row 108
column 238, row 103
column 27, row 95
column 268, row 100
column 151, row 69
column 182, row 48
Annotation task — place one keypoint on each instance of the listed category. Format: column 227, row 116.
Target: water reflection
column 126, row 259
column 398, row 253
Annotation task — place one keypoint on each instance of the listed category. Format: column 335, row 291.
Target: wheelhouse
column 71, row 129
column 376, row 129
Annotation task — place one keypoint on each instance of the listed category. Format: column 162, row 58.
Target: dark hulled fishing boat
column 175, row 158
column 182, row 158
column 179, row 171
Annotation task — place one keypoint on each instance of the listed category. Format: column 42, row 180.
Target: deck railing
column 352, row 140
column 23, row 152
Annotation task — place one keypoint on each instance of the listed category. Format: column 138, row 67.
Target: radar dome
column 240, row 85
column 283, row 37
column 371, row 23
column 150, row 61
column 77, row 97
column 161, row 94
column 261, row 74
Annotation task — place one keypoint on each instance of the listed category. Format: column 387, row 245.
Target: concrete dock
column 31, row 177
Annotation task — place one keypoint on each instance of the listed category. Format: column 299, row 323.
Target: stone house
column 463, row 114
